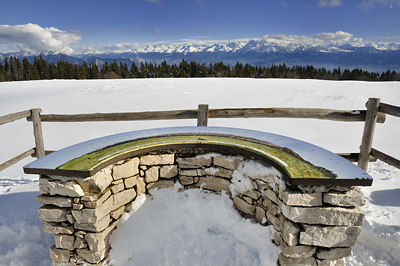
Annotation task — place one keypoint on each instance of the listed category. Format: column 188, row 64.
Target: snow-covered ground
column 23, row 243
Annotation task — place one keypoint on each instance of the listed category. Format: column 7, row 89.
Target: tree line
column 12, row 69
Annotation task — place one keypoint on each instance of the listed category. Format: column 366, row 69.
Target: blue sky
column 73, row 24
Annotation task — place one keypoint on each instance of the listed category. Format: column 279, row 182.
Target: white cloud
column 35, row 39
column 317, row 39
column 367, row 4
column 200, row 3
column 329, row 3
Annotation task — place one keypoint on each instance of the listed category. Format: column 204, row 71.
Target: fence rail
column 375, row 113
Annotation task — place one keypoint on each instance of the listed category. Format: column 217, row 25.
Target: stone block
column 140, row 186
column 94, row 227
column 213, row 183
column 86, row 216
column 59, row 255
column 116, row 214
column 123, row 198
column 193, row 162
column 290, row 233
column 130, row 182
column 334, row 253
column 80, row 242
column 325, row 215
column 186, row 180
column 323, row 236
column 117, row 188
column 99, row 201
column 64, row 241
column 230, row 163
column 337, row 262
column 268, row 178
column 275, row 220
column 260, row 215
column 157, row 159
column 99, row 241
column 63, row 202
column 255, row 195
column 271, row 207
column 297, row 252
column 353, row 197
column 98, row 182
column 243, row 206
column 55, row 187
column 285, row 261
column 301, row 199
column 50, row 213
column 161, row 184
column 127, row 169
column 271, row 195
column 92, row 256
column 152, row 174
column 192, row 172
column 168, row 171
column 57, row 228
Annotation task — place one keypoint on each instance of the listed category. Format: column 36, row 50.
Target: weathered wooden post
column 368, row 134
column 37, row 131
column 202, row 115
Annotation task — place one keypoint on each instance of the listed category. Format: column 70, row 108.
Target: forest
column 12, row 69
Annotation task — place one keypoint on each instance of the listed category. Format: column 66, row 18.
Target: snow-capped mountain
column 258, row 52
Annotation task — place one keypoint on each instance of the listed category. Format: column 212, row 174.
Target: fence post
column 37, row 132
column 368, row 134
column 202, row 115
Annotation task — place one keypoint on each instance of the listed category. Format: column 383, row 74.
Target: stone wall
column 314, row 225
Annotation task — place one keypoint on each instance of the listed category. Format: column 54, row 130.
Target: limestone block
column 186, row 180
column 337, row 262
column 301, row 199
column 151, row 174
column 98, row 182
column 247, row 199
column 77, row 206
column 123, row 198
column 99, row 201
column 325, row 215
column 56, row 228
column 86, row 216
column 353, row 197
column 92, row 256
column 64, row 241
column 285, row 261
column 243, row 206
column 219, row 172
column 192, row 172
column 50, row 213
column 54, row 187
column 130, row 182
column 337, row 236
column 334, row 253
column 117, row 188
column 168, row 171
column 70, row 218
column 99, row 241
column 94, row 227
column 90, row 197
column 161, row 184
column 260, row 215
column 297, row 252
column 255, row 195
column 230, row 163
column 140, row 186
column 268, row 178
column 290, row 233
column 214, row 183
column 116, row 214
column 63, row 202
column 59, row 255
column 275, row 220
column 157, row 159
column 271, row 195
column 277, row 238
column 193, row 162
column 271, row 207
column 127, row 169
column 80, row 242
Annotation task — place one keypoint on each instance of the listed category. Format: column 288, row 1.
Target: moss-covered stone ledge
column 316, row 224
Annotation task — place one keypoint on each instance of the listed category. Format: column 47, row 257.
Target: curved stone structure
column 308, row 195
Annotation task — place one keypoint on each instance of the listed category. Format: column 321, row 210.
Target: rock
column 59, row 255
column 290, row 233
column 130, row 182
column 325, row 215
column 260, row 215
column 54, row 187
column 92, row 256
column 80, row 243
column 193, row 162
column 338, row 236
column 117, row 188
column 243, row 206
column 151, row 175
column 116, row 214
column 186, row 180
column 301, row 199
column 268, row 178
column 271, row 207
column 353, row 197
column 230, row 163
column 334, row 253
column 157, row 159
column 50, row 213
column 213, row 183
column 56, row 228
column 285, row 261
column 161, row 184
column 192, row 172
column 64, row 241
column 94, row 227
column 297, row 252
column 98, row 182
column 276, row 221
column 86, row 216
column 271, row 195
column 338, row 262
column 123, row 198
column 127, row 169
column 59, row 201
column 140, row 186
column 99, row 201
column 168, row 171
column 99, row 241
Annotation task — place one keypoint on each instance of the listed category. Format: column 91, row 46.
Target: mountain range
column 366, row 55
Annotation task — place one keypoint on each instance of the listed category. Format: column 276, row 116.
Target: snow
column 23, row 243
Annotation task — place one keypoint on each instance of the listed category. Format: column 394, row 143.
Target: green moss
column 295, row 166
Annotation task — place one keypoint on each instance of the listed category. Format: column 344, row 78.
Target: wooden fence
column 375, row 113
